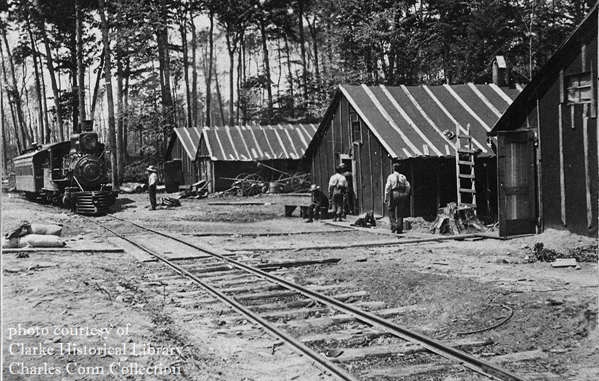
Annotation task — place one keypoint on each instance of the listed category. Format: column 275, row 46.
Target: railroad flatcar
column 71, row 174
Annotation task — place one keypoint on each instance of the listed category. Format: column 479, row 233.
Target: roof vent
column 501, row 75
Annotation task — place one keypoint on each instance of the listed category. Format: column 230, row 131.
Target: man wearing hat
column 397, row 198
column 348, row 197
column 337, row 189
column 317, row 201
column 152, row 182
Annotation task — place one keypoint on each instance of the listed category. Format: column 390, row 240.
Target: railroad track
column 336, row 326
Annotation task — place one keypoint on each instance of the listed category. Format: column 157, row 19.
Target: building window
column 356, row 131
column 579, row 88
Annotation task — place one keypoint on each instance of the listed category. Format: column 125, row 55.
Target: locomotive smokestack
column 87, row 125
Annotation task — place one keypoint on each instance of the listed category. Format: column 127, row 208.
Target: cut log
column 452, row 220
column 569, row 262
column 299, row 263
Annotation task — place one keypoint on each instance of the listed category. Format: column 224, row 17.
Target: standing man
column 348, row 200
column 152, row 182
column 397, row 192
column 337, row 189
column 317, row 200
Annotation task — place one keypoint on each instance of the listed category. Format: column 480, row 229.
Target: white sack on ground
column 46, row 229
column 35, row 240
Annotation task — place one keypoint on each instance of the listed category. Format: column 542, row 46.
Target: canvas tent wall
column 371, row 127
column 547, row 143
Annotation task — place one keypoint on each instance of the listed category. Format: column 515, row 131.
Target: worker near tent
column 348, row 199
column 337, row 189
column 318, row 200
column 152, row 183
column 397, row 192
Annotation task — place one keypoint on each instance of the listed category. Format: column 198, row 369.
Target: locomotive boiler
column 71, row 174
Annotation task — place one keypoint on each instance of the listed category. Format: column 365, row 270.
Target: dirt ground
column 461, row 287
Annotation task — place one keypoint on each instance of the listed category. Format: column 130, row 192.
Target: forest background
column 139, row 68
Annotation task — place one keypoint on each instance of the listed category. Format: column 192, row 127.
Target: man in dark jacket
column 317, row 201
column 348, row 199
column 152, row 183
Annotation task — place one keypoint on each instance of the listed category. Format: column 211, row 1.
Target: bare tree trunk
column 38, row 87
column 48, row 130
column 314, row 33
column 300, row 17
column 109, row 99
column 239, row 76
column 183, row 30
column 194, row 71
column 126, row 112
column 244, row 79
column 4, row 134
column 55, row 92
column 31, row 128
column 220, row 99
column 290, row 76
column 280, row 69
column 74, row 79
column 209, row 77
column 12, row 108
column 15, row 91
column 231, row 46
column 266, row 71
column 80, row 67
column 97, row 86
column 165, row 73
column 120, row 157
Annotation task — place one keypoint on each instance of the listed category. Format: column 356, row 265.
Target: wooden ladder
column 464, row 167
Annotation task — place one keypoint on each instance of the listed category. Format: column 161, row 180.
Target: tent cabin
column 224, row 153
column 179, row 166
column 372, row 127
column 547, row 143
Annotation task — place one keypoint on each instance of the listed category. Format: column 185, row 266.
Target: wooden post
column 413, row 186
column 587, row 173
column 560, row 125
column 438, row 182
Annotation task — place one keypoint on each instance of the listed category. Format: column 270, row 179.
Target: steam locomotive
column 70, row 173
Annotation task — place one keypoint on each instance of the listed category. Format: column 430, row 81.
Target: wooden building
column 180, row 157
column 370, row 128
column 547, row 143
column 225, row 153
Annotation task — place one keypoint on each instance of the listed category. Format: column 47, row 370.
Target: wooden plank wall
column 189, row 169
column 432, row 179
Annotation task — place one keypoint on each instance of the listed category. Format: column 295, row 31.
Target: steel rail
column 476, row 364
column 324, row 363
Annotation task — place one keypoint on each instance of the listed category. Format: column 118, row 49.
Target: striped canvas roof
column 258, row 143
column 190, row 139
column 410, row 121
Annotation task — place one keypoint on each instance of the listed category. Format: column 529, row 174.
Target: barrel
column 274, row 187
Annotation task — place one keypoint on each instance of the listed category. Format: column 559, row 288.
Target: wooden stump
column 454, row 221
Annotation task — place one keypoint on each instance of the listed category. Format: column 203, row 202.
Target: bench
column 289, row 209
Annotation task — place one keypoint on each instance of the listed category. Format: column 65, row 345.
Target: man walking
column 348, row 200
column 317, row 201
column 152, row 182
column 397, row 191
column 337, row 189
